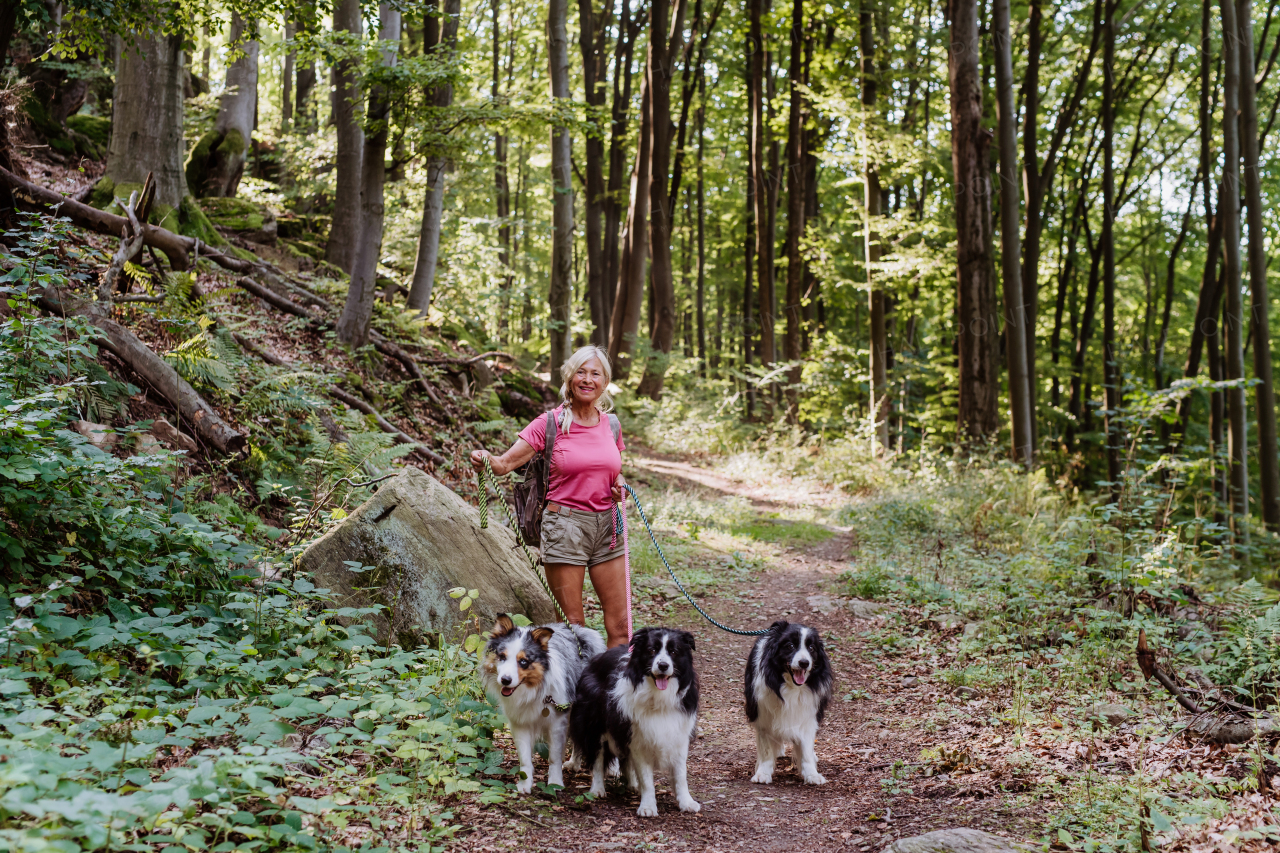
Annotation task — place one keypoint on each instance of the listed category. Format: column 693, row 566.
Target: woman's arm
column 520, row 453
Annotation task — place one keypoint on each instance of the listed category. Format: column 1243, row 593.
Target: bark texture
column 146, row 130
column 217, row 162
column 345, row 227
column 976, row 319
column 795, row 213
column 635, row 251
column 1268, row 464
column 560, row 292
column 878, row 340
column 353, row 325
column 445, row 43
column 1016, row 329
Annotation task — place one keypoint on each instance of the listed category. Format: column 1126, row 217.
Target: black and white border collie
column 529, row 671
column 640, row 704
column 788, row 685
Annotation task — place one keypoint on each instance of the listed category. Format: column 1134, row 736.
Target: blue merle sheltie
column 640, row 705
column 788, row 685
column 532, row 672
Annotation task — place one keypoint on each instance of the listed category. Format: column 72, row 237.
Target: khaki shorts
column 576, row 537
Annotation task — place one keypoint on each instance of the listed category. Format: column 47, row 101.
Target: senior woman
column 584, row 484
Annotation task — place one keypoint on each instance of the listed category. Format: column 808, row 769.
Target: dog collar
column 554, row 704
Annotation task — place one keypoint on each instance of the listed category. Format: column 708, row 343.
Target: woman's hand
column 477, row 462
column 520, row 453
column 617, row 489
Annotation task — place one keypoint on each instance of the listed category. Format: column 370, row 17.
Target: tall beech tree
column 978, row 409
column 353, row 325
column 217, row 163
column 440, row 39
column 560, row 290
column 343, row 233
column 1015, row 316
column 878, row 336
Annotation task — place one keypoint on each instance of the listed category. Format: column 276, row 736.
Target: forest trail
column 878, row 718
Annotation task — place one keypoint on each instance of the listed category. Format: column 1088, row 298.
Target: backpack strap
column 549, row 440
column 615, row 426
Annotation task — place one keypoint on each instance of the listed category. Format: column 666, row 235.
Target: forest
column 952, row 315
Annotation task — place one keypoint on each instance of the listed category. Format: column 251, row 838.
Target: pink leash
column 621, row 509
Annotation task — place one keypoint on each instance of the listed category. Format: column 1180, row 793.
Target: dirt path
column 884, row 713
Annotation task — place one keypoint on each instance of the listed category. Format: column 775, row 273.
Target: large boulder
column 423, row 540
column 957, row 841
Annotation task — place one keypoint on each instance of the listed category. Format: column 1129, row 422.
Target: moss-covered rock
column 96, row 128
column 304, row 249
column 196, row 224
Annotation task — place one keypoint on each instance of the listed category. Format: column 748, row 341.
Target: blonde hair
column 567, row 371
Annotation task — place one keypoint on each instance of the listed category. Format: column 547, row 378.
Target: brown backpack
column 530, row 496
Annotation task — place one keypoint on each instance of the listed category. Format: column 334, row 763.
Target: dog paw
column 690, row 805
column 597, row 790
column 573, row 765
column 814, row 778
column 647, row 810
column 525, row 786
column 614, row 770
column 554, row 778
column 762, row 777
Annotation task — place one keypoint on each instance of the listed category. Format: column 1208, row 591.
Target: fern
column 492, row 426
column 206, row 358
column 102, row 398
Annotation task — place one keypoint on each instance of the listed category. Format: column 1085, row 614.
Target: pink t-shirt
column 584, row 464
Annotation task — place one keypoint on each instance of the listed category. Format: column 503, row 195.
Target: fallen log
column 178, row 248
column 481, row 357
column 154, row 370
column 175, row 246
column 265, row 354
column 384, row 424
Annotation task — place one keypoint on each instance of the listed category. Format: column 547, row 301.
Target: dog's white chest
column 793, row 715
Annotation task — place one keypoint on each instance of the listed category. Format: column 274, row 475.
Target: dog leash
column 671, row 572
column 483, row 497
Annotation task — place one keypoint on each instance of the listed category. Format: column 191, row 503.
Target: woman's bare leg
column 566, row 585
column 610, row 581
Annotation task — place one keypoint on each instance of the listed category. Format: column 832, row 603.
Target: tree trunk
column 1233, row 356
column 353, row 325
column 635, row 248
column 591, row 34
column 618, row 169
column 795, row 211
column 1016, row 329
column 286, row 80
column 702, row 225
column 502, row 188
column 560, row 291
column 749, row 248
column 442, row 38
column 978, row 412
column 1268, row 469
column 664, row 38
column 146, row 130
column 345, row 226
column 878, row 337
column 217, row 162
column 304, row 107
column 1111, row 369
column 760, row 181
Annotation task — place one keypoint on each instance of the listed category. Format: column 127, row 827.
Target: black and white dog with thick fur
column 640, row 705
column 532, row 672
column 788, row 685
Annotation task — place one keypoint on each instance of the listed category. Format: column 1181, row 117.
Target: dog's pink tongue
column 799, row 675
column 661, row 681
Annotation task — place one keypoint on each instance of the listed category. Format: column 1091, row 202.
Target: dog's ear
column 779, row 626
column 688, row 638
column 502, row 626
column 542, row 636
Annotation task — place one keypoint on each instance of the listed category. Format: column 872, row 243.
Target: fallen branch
column 1212, row 727
column 384, row 424
column 175, row 246
column 130, row 243
column 178, row 248
column 154, row 370
column 138, row 297
column 275, row 300
column 264, row 354
column 481, row 357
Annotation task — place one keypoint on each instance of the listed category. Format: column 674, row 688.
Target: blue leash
column 671, row 572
